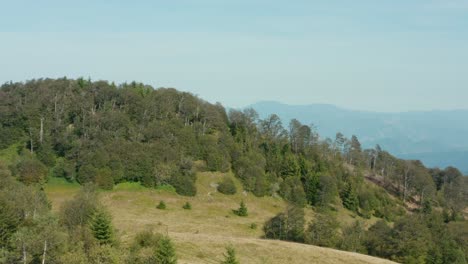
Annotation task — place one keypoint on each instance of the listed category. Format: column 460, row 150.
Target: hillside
column 201, row 234
column 107, row 155
column 432, row 136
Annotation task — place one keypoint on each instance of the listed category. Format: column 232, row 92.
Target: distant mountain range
column 438, row 138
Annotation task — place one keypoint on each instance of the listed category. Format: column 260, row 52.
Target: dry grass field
column 201, row 234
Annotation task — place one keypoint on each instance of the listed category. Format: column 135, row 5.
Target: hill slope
column 202, row 233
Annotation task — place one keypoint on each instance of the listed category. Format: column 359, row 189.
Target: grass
column 201, row 234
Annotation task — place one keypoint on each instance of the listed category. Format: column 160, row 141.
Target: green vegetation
column 242, row 211
column 230, row 256
column 187, row 206
column 101, row 227
column 161, row 205
column 227, row 186
column 60, row 134
column 165, row 252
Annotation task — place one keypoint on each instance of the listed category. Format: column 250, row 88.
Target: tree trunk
column 31, row 141
column 45, row 252
column 41, row 132
column 24, row 254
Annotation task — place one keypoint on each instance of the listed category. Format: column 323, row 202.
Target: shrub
column 161, row 205
column 184, row 183
column 242, row 211
column 30, row 170
column 227, row 186
column 187, row 206
column 288, row 225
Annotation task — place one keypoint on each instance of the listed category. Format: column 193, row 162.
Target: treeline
column 104, row 133
column 423, row 237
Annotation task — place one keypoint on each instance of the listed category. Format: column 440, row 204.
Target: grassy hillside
column 202, row 233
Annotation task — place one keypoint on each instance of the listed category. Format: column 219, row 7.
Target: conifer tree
column 101, row 227
column 230, row 256
column 242, row 211
column 350, row 198
column 165, row 252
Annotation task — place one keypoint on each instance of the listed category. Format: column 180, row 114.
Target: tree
column 230, row 256
column 31, row 170
column 291, row 190
column 104, row 179
column 165, row 252
column 78, row 211
column 379, row 241
column 323, row 231
column 288, row 225
column 101, row 227
column 349, row 197
column 353, row 238
column 242, row 211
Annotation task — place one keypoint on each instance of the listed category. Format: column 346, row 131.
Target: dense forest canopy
column 104, row 134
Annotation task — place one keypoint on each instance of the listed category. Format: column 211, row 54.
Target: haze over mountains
column 435, row 137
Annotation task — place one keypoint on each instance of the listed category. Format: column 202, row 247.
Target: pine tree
column 165, row 252
column 242, row 211
column 350, row 198
column 230, row 256
column 101, row 227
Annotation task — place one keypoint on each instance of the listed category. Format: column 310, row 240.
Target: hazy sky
column 387, row 55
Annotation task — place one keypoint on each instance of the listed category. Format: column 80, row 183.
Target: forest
column 100, row 134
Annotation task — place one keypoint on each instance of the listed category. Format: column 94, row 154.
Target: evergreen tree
column 101, row 226
column 230, row 256
column 350, row 198
column 242, row 211
column 165, row 252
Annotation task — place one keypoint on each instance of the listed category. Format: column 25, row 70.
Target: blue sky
column 388, row 55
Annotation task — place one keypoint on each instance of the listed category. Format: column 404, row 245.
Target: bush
column 184, row 183
column 30, row 170
column 187, row 206
column 288, row 225
column 161, row 205
column 242, row 211
column 227, row 186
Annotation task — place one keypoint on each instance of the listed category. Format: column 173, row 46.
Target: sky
column 387, row 55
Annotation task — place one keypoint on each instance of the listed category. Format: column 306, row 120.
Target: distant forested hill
column 435, row 137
